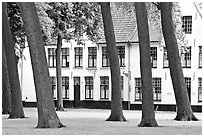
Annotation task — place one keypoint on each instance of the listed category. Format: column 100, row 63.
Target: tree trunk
column 59, row 74
column 148, row 116
column 6, row 92
column 184, row 111
column 116, row 101
column 47, row 116
column 16, row 97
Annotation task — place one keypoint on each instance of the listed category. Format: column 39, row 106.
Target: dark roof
column 125, row 26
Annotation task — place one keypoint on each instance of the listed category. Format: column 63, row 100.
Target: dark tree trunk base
column 116, row 118
column 5, row 112
column 16, row 116
column 148, row 123
column 60, row 125
column 60, row 109
column 182, row 117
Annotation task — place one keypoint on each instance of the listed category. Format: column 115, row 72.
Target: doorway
column 77, row 103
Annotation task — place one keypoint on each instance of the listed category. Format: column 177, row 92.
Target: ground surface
column 92, row 121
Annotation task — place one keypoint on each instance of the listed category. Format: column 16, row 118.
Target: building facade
column 86, row 80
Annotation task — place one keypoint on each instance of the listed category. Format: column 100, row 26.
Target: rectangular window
column 138, row 89
column 121, row 55
column 187, row 24
column 104, row 87
column 122, row 87
column 200, row 57
column 105, row 60
column 156, row 83
column 153, row 51
column 165, row 56
column 53, row 85
column 78, row 56
column 92, row 57
column 199, row 89
column 51, row 57
column 188, row 86
column 65, row 57
column 186, row 58
column 65, row 87
column 88, row 87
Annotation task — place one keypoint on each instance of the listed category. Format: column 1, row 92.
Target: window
column 199, row 89
column 187, row 24
column 121, row 55
column 200, row 57
column 105, row 60
column 104, row 87
column 51, row 57
column 65, row 87
column 78, row 56
column 156, row 83
column 166, row 62
column 88, row 87
column 92, row 56
column 122, row 87
column 153, row 51
column 138, row 89
column 186, row 58
column 53, row 85
column 188, row 86
column 65, row 57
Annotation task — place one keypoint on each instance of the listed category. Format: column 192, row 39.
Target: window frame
column 65, row 57
column 52, row 57
column 105, row 59
column 200, row 57
column 78, row 56
column 92, row 57
column 153, row 53
column 187, row 24
column 105, row 87
column 165, row 58
column 138, row 89
column 121, row 55
column 200, row 89
column 65, row 85
column 89, row 82
column 186, row 58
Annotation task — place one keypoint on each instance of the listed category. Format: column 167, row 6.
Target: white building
column 86, row 72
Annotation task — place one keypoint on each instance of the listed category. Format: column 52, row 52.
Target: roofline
column 126, row 42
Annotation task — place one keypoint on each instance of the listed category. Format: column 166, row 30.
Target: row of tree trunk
column 47, row 117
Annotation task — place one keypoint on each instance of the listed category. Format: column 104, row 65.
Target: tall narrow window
column 51, row 57
column 188, row 86
column 156, row 83
column 153, row 51
column 121, row 55
column 53, row 85
column 92, row 56
column 104, row 87
column 65, row 87
column 122, row 87
column 88, row 87
column 138, row 89
column 166, row 62
column 105, row 60
column 187, row 24
column 65, row 57
column 199, row 89
column 186, row 58
column 78, row 56
column 200, row 57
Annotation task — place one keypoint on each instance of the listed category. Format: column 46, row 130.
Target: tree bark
column 59, row 74
column 184, row 111
column 16, row 97
column 116, row 101
column 6, row 92
column 47, row 116
column 148, row 116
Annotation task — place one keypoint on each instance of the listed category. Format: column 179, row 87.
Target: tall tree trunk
column 148, row 116
column 59, row 74
column 16, row 97
column 184, row 111
column 6, row 92
column 47, row 116
column 116, row 101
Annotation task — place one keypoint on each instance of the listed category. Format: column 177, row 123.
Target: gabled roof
column 125, row 26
